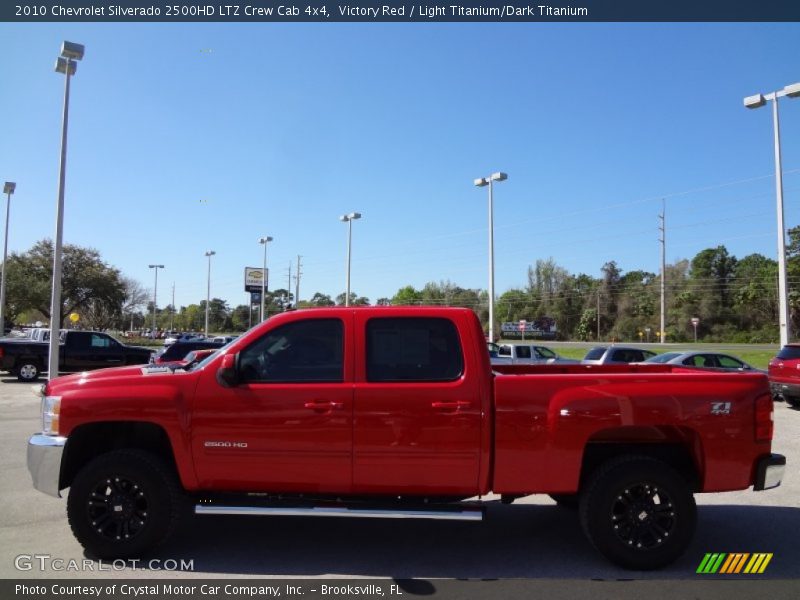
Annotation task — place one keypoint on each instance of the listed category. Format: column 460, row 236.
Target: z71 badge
column 720, row 408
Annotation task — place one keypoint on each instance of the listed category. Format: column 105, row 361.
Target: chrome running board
column 448, row 514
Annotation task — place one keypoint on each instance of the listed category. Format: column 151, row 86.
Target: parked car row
column 606, row 355
column 198, row 337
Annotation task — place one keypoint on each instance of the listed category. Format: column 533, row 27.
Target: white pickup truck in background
column 525, row 354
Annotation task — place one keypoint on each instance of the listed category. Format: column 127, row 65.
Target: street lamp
column 264, row 241
column 8, row 189
column 155, row 296
column 482, row 182
column 66, row 64
column 349, row 218
column 209, row 254
column 757, row 101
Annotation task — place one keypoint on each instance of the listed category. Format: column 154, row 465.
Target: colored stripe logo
column 734, row 563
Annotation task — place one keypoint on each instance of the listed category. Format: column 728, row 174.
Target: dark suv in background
column 784, row 374
column 179, row 350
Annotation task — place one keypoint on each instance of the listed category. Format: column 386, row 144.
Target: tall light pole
column 482, row 182
column 264, row 241
column 209, row 254
column 663, row 239
column 155, row 296
column 8, row 189
column 757, row 101
column 66, row 64
column 349, row 218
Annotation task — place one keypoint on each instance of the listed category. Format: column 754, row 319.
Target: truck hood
column 130, row 375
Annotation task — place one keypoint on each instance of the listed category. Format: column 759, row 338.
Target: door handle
column 323, row 405
column 451, row 405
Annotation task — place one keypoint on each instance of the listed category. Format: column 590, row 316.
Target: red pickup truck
column 397, row 413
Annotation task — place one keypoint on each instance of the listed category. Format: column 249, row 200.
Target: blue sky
column 187, row 137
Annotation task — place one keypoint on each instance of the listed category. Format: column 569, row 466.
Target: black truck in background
column 78, row 351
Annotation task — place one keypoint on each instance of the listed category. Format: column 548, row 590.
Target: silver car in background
column 708, row 360
column 615, row 355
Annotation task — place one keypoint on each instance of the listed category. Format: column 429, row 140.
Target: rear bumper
column 44, row 462
column 769, row 472
column 779, row 388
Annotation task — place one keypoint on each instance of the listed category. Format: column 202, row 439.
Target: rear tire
column 123, row 504
column 29, row 370
column 638, row 512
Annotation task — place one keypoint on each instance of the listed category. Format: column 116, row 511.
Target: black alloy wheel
column 123, row 504
column 638, row 512
column 117, row 508
column 643, row 516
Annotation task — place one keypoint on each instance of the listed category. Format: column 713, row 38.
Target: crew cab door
column 287, row 425
column 417, row 412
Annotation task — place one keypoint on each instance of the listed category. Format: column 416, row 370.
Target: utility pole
column 598, row 314
column 288, row 285
column 663, row 239
column 297, row 281
column 172, row 312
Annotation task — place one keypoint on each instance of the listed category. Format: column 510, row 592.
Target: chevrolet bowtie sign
column 254, row 277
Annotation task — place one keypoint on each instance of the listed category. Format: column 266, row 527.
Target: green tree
column 241, row 318
column 406, row 296
column 87, row 282
column 755, row 300
column 355, row 300
column 320, row 299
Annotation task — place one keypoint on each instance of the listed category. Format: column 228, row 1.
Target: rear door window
column 523, row 351
column 413, row 349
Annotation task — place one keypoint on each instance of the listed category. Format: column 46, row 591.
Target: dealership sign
column 542, row 328
column 254, row 279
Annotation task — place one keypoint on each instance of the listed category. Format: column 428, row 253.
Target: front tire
column 638, row 512
column 28, row 371
column 123, row 504
column 793, row 401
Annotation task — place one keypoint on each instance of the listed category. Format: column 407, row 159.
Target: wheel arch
column 88, row 441
column 678, row 447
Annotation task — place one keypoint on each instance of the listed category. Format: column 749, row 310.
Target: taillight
column 763, row 421
column 1, row 353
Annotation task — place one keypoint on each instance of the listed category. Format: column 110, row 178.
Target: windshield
column 595, row 354
column 546, row 352
column 663, row 358
column 199, row 364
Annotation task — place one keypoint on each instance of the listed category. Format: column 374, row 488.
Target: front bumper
column 44, row 462
column 769, row 472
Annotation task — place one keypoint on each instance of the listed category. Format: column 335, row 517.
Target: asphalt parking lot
column 532, row 539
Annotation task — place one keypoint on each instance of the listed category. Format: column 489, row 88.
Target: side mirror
column 227, row 375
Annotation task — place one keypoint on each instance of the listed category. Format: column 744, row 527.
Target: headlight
column 51, row 406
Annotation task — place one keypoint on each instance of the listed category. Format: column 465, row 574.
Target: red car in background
column 784, row 374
